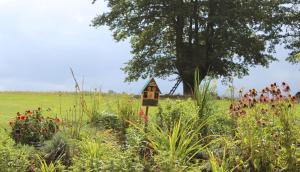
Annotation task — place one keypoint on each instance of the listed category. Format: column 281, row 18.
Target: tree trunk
column 188, row 84
column 189, row 58
column 188, row 79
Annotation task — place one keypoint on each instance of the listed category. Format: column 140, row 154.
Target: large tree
column 219, row 37
column 292, row 39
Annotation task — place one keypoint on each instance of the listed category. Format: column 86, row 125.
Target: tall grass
column 52, row 167
column 203, row 94
column 74, row 118
column 179, row 147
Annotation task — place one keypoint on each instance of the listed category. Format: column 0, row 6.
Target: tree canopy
column 221, row 38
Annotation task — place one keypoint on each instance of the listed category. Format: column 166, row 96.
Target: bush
column 106, row 120
column 56, row 150
column 171, row 111
column 32, row 128
column 14, row 158
column 267, row 130
column 178, row 148
column 95, row 156
column 127, row 111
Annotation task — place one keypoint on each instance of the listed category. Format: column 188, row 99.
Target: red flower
column 146, row 118
column 143, row 115
column 23, row 117
column 57, row 120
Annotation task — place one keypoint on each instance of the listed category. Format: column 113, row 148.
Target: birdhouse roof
column 150, row 82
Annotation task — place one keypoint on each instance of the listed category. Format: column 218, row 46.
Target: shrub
column 95, row 156
column 56, row 150
column 106, row 120
column 127, row 110
column 13, row 157
column 267, row 129
column 52, row 167
column 203, row 94
column 178, row 148
column 32, row 128
column 170, row 111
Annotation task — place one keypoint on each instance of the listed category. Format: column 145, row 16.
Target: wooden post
column 146, row 119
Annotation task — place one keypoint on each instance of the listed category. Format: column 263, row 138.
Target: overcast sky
column 41, row 39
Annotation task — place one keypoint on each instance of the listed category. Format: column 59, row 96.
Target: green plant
column 127, row 110
column 203, row 94
column 95, row 106
column 267, row 129
column 56, row 149
column 32, row 128
column 74, row 119
column 216, row 166
column 94, row 156
column 106, row 120
column 52, row 167
column 170, row 111
column 14, row 158
column 177, row 149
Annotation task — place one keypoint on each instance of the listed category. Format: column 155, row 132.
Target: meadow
column 253, row 133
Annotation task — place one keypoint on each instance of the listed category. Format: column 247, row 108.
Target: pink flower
column 143, row 115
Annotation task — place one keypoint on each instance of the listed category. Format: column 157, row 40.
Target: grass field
column 94, row 139
column 59, row 103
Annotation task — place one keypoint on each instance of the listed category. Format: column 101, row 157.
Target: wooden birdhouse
column 150, row 93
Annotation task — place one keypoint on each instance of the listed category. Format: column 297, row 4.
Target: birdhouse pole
column 147, row 117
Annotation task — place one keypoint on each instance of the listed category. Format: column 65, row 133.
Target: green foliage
column 176, row 37
column 266, row 132
column 134, row 139
column 170, row 111
column 203, row 94
column 14, row 158
column 215, row 165
column 176, row 149
column 52, row 167
column 106, row 120
column 95, row 156
column 257, row 139
column 56, row 150
column 32, row 128
column 74, row 119
column 127, row 110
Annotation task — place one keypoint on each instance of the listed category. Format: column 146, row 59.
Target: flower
column 143, row 115
column 294, row 99
column 23, row 117
column 57, row 120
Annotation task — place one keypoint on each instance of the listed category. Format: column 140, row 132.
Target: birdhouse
column 150, row 93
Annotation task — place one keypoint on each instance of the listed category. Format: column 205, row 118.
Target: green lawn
column 13, row 102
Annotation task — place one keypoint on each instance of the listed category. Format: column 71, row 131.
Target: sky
column 41, row 39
